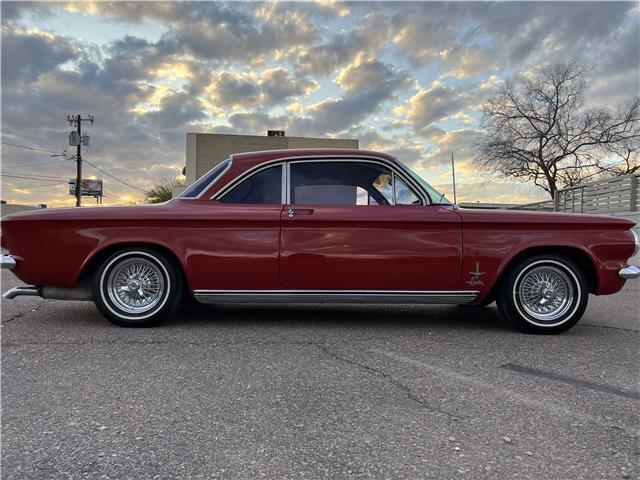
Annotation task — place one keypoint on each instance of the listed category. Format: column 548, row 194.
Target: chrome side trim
column 636, row 241
column 8, row 262
column 20, row 291
column 394, row 167
column 629, row 273
column 335, row 296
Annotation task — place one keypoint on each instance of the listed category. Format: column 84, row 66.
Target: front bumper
column 8, row 262
column 629, row 272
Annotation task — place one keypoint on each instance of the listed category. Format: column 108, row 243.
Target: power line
column 114, row 177
column 26, row 147
column 50, row 177
column 25, row 177
column 74, row 158
column 36, row 164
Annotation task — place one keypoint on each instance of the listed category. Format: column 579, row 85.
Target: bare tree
column 624, row 158
column 539, row 129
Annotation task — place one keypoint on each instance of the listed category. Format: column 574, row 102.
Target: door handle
column 299, row 211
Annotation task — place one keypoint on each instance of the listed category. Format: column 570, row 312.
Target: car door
column 239, row 249
column 342, row 230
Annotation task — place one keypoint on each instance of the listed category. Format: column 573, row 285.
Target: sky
column 404, row 78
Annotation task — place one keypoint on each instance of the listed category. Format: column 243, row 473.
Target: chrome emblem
column 475, row 280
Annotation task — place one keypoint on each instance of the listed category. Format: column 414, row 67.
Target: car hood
column 557, row 219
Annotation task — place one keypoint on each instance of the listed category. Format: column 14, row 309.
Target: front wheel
column 543, row 294
column 136, row 287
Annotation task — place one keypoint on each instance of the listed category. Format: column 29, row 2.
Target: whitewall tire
column 137, row 287
column 543, row 294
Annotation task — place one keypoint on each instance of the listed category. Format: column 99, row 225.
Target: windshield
column 205, row 181
column 437, row 197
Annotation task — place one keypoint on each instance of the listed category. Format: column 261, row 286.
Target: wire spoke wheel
column 135, row 285
column 546, row 293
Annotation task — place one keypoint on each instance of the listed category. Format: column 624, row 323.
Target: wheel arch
column 101, row 254
column 580, row 257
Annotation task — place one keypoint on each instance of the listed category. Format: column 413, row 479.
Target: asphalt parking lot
column 314, row 392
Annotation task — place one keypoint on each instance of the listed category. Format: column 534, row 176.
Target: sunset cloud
column 406, row 78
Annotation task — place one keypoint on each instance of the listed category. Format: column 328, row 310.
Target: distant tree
column 162, row 192
column 539, row 129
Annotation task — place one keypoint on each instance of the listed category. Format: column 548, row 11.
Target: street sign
column 88, row 188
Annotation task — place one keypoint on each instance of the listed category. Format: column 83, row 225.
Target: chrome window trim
column 283, row 186
column 337, row 296
column 393, row 187
column 424, row 196
column 243, row 176
column 250, row 173
column 211, row 183
column 287, row 190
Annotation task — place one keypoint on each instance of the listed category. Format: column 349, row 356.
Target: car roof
column 249, row 159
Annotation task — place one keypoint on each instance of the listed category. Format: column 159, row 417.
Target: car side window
column 340, row 183
column 264, row 187
column 404, row 194
column 203, row 182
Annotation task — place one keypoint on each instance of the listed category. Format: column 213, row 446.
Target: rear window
column 263, row 187
column 205, row 181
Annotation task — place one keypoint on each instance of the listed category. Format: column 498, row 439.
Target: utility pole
column 77, row 121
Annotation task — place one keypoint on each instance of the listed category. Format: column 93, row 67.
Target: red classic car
column 318, row 226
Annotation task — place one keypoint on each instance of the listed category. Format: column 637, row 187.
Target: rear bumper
column 8, row 262
column 629, row 272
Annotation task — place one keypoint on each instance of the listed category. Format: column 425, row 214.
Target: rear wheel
column 543, row 294
column 137, row 287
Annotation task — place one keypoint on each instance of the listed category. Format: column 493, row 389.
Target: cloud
column 503, row 34
column 13, row 11
column 176, row 110
column 363, row 76
column 278, row 85
column 460, row 143
column 230, row 89
column 406, row 78
column 269, row 87
column 361, row 99
column 256, row 123
column 625, row 56
column 431, row 105
column 362, row 43
column 27, row 54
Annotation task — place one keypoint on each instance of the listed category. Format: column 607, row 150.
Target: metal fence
column 612, row 195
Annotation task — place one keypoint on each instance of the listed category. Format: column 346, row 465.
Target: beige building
column 9, row 208
column 206, row 150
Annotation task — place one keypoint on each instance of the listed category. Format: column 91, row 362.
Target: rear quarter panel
column 493, row 239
